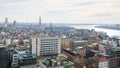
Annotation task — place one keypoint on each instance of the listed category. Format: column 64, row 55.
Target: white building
column 46, row 45
column 8, row 41
column 103, row 63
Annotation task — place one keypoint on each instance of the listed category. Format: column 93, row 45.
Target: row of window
column 54, row 46
column 26, row 60
column 49, row 48
column 46, row 44
column 50, row 40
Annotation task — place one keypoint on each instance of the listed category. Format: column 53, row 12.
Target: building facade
column 4, row 57
column 46, row 45
column 113, row 62
column 15, row 63
column 103, row 63
column 72, row 55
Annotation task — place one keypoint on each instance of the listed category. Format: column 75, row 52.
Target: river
column 110, row 32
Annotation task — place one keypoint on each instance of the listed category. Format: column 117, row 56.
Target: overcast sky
column 61, row 11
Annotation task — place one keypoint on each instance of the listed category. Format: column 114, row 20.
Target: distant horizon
column 11, row 21
column 61, row 11
column 60, row 23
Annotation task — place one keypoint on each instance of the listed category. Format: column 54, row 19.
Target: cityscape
column 59, row 34
column 57, row 46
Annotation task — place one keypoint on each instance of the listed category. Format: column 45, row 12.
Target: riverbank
column 108, row 27
column 110, row 32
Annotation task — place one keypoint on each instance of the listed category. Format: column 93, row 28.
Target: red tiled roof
column 102, row 59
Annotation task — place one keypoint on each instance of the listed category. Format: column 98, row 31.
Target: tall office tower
column 6, row 22
column 14, row 22
column 54, row 29
column 46, row 45
column 41, row 27
column 51, row 27
column 50, row 24
column 4, row 57
column 40, row 21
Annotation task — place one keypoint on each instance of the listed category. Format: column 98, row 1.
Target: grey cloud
column 101, row 15
column 116, row 18
column 85, row 3
column 11, row 4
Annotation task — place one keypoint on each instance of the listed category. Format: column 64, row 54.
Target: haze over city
column 61, row 11
column 59, row 34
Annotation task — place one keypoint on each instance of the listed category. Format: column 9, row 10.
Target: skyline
column 61, row 11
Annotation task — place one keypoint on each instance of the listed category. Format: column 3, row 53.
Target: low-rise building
column 72, row 55
column 27, row 59
column 57, row 62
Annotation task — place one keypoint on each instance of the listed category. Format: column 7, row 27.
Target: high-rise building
column 46, row 45
column 14, row 22
column 6, row 22
column 51, row 27
column 4, row 57
column 40, row 20
column 40, row 26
